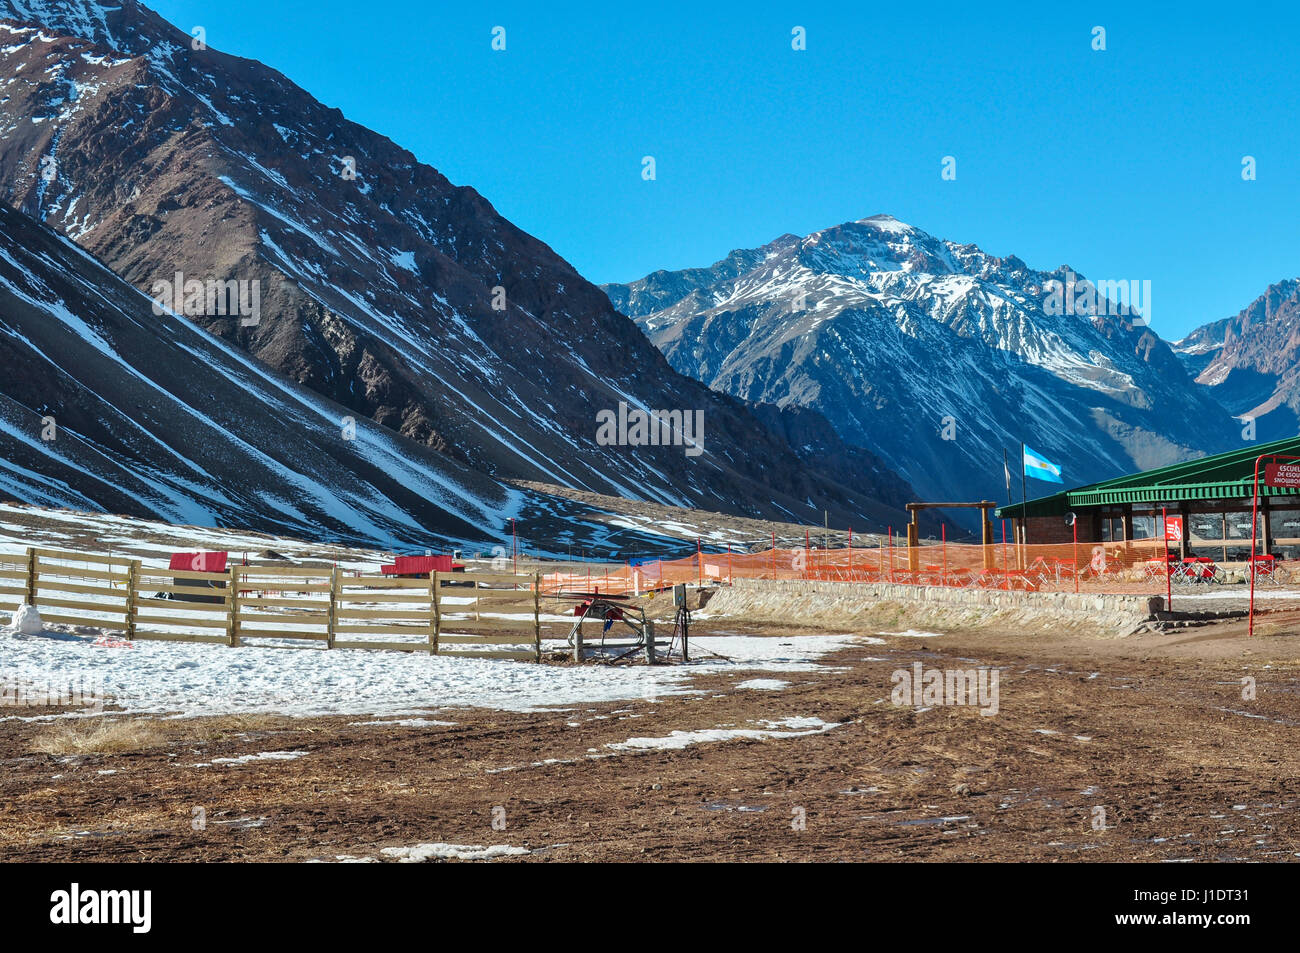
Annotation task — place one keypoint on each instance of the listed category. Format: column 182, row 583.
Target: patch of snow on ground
column 260, row 756
column 195, row 680
column 424, row 852
column 764, row 684
column 798, row 727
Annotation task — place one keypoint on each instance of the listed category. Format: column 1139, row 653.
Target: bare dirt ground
column 1152, row 730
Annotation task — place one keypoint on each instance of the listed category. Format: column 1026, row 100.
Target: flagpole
column 1024, row 498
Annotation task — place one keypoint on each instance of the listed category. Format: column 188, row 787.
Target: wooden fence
column 460, row 595
column 460, row 614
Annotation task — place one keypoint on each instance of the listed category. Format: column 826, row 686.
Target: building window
column 1285, row 525
column 1148, row 524
column 1238, row 526
column 1203, row 527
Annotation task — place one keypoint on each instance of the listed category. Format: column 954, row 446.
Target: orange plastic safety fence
column 1131, row 567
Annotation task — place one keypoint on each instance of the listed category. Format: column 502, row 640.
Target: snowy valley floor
column 276, row 757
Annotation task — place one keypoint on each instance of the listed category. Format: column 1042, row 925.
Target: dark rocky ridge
column 155, row 418
column 377, row 290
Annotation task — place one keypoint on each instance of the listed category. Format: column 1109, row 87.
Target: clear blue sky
column 1123, row 164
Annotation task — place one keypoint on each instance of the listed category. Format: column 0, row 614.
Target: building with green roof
column 1212, row 495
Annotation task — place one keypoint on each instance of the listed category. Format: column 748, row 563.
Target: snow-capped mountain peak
column 933, row 353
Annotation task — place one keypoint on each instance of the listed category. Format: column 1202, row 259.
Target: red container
column 199, row 562
column 421, row 566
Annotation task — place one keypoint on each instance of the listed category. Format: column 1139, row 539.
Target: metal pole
column 1006, row 469
column 1254, row 512
column 1254, row 515
column 1075, row 526
column 1006, row 569
column 1024, row 496
column 1169, row 579
column 1024, row 482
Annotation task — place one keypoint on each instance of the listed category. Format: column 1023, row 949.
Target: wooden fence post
column 537, row 613
column 332, row 617
column 437, row 613
column 30, row 597
column 232, row 630
column 132, row 580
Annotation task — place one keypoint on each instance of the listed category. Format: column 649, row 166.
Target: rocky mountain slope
column 382, row 286
column 932, row 354
column 1250, row 363
column 108, row 407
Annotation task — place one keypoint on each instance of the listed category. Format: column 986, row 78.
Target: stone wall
column 846, row 603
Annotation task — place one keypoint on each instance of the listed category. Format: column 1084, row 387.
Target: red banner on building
column 1282, row 475
column 1174, row 529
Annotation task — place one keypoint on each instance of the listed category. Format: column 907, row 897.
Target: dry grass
column 99, row 736
column 225, row 726
column 125, row 735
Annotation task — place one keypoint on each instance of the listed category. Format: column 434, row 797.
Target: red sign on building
column 1174, row 529
column 1282, row 475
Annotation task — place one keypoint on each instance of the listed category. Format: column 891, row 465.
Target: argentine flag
column 1040, row 468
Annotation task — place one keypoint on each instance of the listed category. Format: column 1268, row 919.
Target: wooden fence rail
column 460, row 614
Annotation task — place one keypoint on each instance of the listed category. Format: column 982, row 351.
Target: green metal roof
column 1222, row 476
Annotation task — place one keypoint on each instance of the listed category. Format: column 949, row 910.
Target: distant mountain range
column 1250, row 363
column 935, row 355
column 851, row 370
column 380, row 286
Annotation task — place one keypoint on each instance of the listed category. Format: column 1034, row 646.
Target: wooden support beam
column 30, row 597
column 537, row 613
column 132, row 580
column 332, row 614
column 232, row 632
column 437, row 613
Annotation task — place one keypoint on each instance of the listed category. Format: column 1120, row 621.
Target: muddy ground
column 1102, row 749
